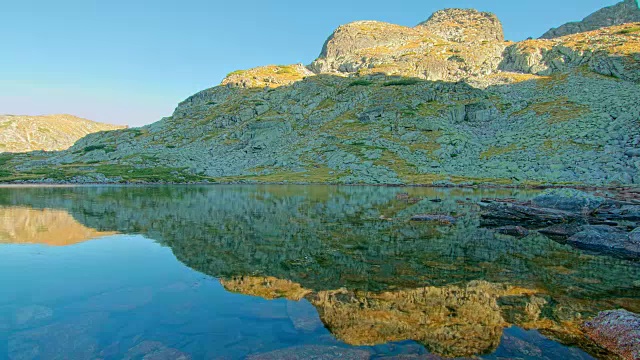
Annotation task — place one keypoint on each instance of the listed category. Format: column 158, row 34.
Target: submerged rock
column 617, row 331
column 606, row 239
column 317, row 352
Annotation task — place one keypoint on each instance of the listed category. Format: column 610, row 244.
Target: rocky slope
column 448, row 101
column 20, row 133
column 624, row 12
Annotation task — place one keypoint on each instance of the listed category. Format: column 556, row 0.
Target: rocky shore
column 582, row 220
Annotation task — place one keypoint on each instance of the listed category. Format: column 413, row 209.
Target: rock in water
column 624, row 12
column 568, row 200
column 503, row 214
column 617, row 331
column 606, row 239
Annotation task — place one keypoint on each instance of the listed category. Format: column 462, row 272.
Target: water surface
column 270, row 272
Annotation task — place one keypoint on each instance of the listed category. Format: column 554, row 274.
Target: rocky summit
column 624, row 12
column 448, row 101
column 21, row 133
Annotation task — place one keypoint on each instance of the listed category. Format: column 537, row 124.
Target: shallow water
column 271, row 272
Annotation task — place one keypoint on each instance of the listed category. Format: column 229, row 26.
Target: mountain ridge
column 22, row 133
column 624, row 12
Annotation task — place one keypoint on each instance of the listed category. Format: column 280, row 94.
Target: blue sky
column 131, row 62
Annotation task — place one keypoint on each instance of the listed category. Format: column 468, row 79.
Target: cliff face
column 447, row 101
column 50, row 132
column 452, row 45
column 624, row 12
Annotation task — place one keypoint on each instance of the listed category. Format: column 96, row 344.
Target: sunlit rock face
column 49, row 227
column 451, row 45
column 22, row 133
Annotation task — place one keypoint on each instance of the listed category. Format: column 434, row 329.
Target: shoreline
column 443, row 186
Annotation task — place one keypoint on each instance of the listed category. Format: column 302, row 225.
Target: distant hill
column 623, row 12
column 22, row 133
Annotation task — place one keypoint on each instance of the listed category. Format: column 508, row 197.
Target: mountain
column 445, row 102
column 21, row 133
column 624, row 12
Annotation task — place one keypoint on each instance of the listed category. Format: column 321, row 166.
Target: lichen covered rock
column 617, row 331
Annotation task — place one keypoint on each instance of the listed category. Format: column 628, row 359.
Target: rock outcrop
column 612, row 51
column 452, row 45
column 50, row 132
column 624, row 12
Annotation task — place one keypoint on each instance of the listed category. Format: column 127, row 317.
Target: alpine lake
column 289, row 272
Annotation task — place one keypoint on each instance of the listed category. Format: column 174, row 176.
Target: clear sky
column 132, row 61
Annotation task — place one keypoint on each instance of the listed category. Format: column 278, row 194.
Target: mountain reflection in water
column 373, row 276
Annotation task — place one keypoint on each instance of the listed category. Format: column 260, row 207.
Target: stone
column 437, row 218
column 561, row 231
column 568, row 200
column 313, row 352
column 516, row 231
column 502, row 214
column 155, row 350
column 606, row 240
column 27, row 315
column 617, row 331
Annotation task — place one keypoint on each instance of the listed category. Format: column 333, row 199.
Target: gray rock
column 617, row 331
column 568, row 200
column 505, row 214
column 606, row 240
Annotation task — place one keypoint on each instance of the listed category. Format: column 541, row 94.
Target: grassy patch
column 402, row 82
column 361, row 82
column 494, row 151
column 629, row 30
column 559, row 110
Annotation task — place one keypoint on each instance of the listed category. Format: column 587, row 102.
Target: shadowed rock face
column 623, row 12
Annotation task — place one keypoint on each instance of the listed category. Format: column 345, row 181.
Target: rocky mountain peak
column 465, row 25
column 623, row 12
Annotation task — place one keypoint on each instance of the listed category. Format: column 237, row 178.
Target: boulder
column 502, row 214
column 568, row 200
column 517, row 231
column 607, row 240
column 561, row 231
column 617, row 331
